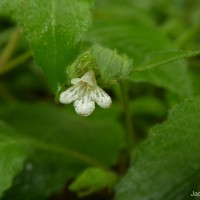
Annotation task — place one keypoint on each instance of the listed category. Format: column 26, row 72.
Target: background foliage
column 146, row 146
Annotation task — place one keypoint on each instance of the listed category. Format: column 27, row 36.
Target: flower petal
column 75, row 81
column 102, row 98
column 84, row 106
column 70, row 95
column 89, row 78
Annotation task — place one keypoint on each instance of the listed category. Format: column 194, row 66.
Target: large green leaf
column 64, row 144
column 53, row 29
column 12, row 156
column 142, row 42
column 167, row 165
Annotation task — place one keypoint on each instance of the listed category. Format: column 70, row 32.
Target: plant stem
column 12, row 64
column 65, row 152
column 60, row 150
column 188, row 35
column 129, row 134
column 73, row 154
column 10, row 47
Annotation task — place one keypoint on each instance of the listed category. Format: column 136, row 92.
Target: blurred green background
column 145, row 30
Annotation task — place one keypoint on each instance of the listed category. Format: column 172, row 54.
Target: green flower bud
column 108, row 65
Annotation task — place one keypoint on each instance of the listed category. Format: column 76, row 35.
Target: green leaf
column 121, row 11
column 160, row 58
column 54, row 30
column 140, row 41
column 93, row 180
column 64, row 144
column 12, row 156
column 167, row 165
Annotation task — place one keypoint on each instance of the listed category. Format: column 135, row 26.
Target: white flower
column 84, row 93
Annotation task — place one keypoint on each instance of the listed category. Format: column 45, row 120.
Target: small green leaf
column 166, row 165
column 93, row 180
column 12, row 156
column 64, row 145
column 54, row 30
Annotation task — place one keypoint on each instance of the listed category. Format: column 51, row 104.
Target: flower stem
column 129, row 134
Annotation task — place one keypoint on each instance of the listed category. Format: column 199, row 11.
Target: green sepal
column 83, row 63
column 111, row 65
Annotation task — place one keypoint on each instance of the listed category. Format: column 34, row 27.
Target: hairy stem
column 129, row 134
